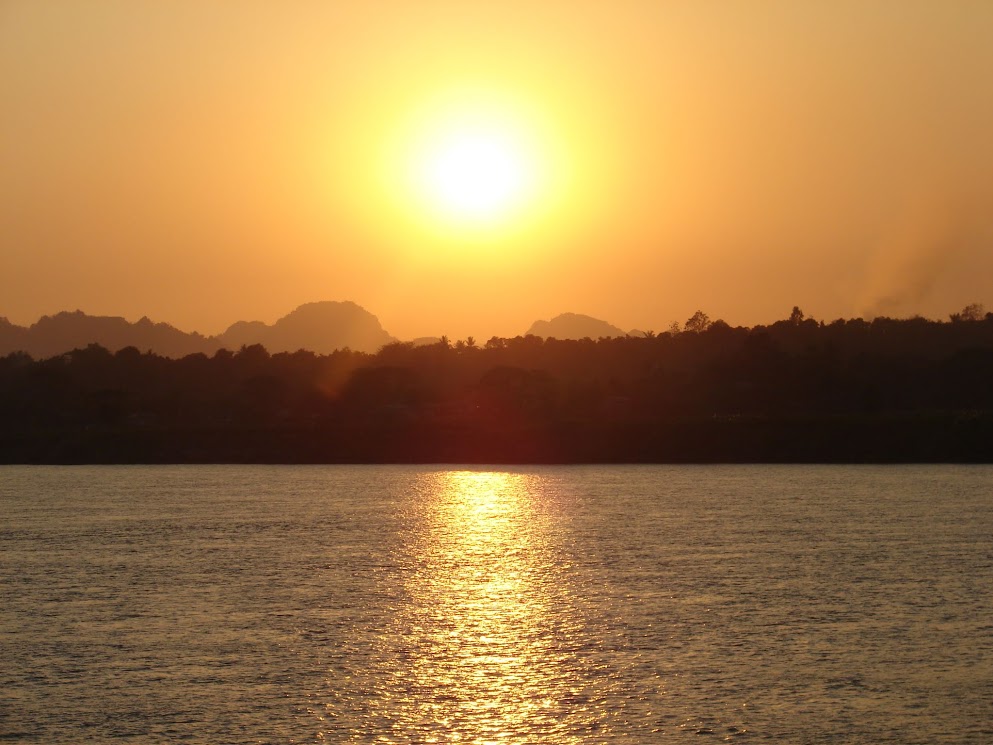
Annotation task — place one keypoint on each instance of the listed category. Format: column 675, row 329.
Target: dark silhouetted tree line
column 884, row 390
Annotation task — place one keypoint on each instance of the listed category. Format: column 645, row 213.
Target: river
column 584, row 604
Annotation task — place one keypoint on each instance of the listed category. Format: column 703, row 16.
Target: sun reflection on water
column 482, row 591
column 479, row 650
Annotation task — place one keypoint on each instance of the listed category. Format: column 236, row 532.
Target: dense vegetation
column 797, row 390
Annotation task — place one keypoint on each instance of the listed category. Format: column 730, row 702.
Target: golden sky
column 206, row 162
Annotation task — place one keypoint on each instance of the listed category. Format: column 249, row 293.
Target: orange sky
column 202, row 163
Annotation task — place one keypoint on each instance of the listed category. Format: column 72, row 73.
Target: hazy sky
column 205, row 162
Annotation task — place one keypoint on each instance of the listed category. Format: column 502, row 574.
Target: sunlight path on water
column 488, row 642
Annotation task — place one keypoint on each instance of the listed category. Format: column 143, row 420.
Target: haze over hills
column 66, row 331
column 574, row 326
column 319, row 327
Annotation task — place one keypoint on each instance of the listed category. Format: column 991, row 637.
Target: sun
column 475, row 167
column 476, row 175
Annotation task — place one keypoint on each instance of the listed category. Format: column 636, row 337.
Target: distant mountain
column 243, row 334
column 318, row 327
column 574, row 326
column 12, row 338
column 66, row 331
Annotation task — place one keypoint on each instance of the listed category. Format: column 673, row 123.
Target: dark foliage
column 798, row 390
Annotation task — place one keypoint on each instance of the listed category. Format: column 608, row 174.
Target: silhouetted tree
column 971, row 312
column 698, row 322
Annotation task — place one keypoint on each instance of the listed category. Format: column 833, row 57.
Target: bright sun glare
column 474, row 166
column 476, row 175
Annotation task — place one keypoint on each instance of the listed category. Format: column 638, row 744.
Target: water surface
column 373, row 604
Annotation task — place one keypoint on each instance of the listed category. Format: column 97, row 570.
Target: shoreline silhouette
column 798, row 390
